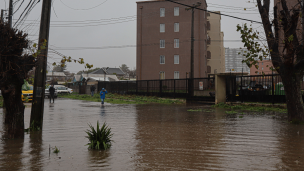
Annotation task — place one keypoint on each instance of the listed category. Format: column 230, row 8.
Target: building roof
column 56, row 74
column 77, row 77
column 100, row 71
column 117, row 71
column 101, row 77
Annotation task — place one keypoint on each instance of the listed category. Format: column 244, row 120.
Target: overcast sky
column 79, row 26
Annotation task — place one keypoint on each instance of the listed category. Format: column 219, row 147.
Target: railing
column 259, row 88
column 169, row 88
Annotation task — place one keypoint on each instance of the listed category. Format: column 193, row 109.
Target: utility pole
column 10, row 14
column 40, row 72
column 191, row 81
column 302, row 6
column 2, row 11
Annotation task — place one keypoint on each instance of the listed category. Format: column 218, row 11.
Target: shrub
column 100, row 139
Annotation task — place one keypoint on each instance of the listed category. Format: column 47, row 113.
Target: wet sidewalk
column 155, row 137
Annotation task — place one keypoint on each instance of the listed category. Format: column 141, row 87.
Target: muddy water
column 155, row 137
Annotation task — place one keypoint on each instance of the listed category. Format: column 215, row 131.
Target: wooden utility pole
column 40, row 72
column 302, row 6
column 10, row 14
column 191, row 81
column 2, row 20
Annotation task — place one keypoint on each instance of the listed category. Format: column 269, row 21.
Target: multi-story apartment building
column 264, row 66
column 233, row 60
column 215, row 50
column 164, row 40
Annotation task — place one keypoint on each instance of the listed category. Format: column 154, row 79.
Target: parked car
column 27, row 92
column 70, row 90
column 47, row 93
column 62, row 90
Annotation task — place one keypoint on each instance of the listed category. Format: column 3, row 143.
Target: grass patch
column 231, row 112
column 123, row 99
column 194, row 110
column 57, row 150
column 241, row 116
column 250, row 108
column 99, row 139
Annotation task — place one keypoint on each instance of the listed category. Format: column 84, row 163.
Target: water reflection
column 35, row 146
column 291, row 147
column 11, row 154
column 98, row 159
column 174, row 138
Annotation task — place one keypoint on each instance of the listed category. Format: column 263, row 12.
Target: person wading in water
column 102, row 94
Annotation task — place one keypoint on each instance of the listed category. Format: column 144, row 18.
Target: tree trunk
column 14, row 116
column 294, row 100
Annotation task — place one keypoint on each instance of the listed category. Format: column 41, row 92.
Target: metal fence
column 163, row 88
column 260, row 88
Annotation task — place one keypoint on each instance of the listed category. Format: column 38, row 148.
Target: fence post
column 242, row 96
column 160, row 88
column 272, row 93
column 136, row 87
column 174, row 88
column 147, row 87
column 127, row 87
column 186, row 85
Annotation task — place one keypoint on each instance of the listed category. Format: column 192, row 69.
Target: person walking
column 52, row 93
column 92, row 88
column 102, row 94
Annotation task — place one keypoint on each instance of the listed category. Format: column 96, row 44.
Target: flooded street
column 155, row 137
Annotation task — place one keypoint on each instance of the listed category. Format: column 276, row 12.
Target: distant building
column 56, row 76
column 233, row 60
column 110, row 71
column 215, row 50
column 264, row 66
column 164, row 40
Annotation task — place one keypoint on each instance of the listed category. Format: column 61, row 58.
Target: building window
column 162, row 59
column 176, row 43
column 162, row 28
column 176, row 27
column 176, row 59
column 262, row 63
column 208, row 55
column 208, row 69
column 162, row 43
column 176, row 74
column 176, row 11
column 162, row 12
column 262, row 67
column 162, row 75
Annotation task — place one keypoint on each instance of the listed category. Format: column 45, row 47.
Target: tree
column 59, row 68
column 125, row 68
column 132, row 73
column 285, row 46
column 14, row 66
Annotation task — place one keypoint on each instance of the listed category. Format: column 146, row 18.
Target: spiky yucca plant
column 100, row 139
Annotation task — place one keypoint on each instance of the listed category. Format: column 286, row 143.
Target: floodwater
column 155, row 137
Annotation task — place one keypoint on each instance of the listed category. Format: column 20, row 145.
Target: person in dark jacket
column 52, row 93
column 102, row 94
column 92, row 88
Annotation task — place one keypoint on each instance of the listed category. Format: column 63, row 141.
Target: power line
column 84, row 9
column 215, row 12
